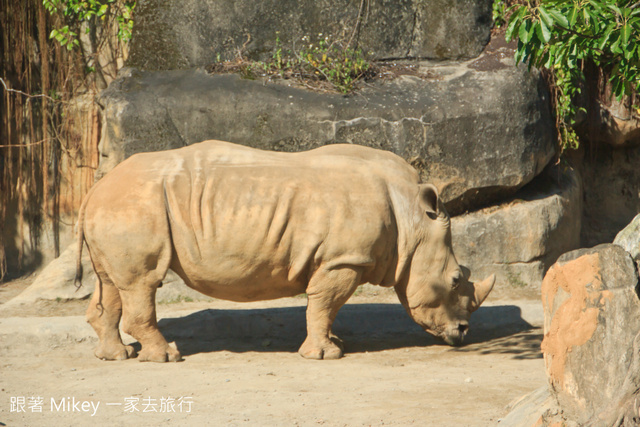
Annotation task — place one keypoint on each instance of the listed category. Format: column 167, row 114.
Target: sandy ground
column 241, row 367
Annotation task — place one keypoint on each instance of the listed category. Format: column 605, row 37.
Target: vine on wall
column 567, row 37
column 49, row 122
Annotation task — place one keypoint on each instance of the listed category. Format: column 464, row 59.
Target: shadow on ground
column 363, row 327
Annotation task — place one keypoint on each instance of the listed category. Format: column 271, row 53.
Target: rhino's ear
column 428, row 198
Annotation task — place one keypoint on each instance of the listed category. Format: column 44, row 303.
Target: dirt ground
column 241, row 367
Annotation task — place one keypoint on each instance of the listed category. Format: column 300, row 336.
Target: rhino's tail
column 78, row 279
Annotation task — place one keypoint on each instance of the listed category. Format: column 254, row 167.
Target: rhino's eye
column 455, row 280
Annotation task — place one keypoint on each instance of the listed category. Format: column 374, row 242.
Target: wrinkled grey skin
column 246, row 225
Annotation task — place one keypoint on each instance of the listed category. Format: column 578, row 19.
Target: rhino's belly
column 237, row 281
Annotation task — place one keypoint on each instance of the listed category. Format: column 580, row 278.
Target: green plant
column 75, row 12
column 327, row 61
column 515, row 279
column 342, row 66
column 499, row 13
column 563, row 35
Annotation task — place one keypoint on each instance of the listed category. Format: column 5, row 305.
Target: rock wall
column 612, row 190
column 472, row 122
column 466, row 130
column 194, row 33
column 591, row 345
column 521, row 238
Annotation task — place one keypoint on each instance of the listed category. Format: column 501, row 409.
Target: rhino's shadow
column 363, row 327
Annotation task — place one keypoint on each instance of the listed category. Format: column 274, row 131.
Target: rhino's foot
column 115, row 352
column 324, row 350
column 161, row 354
column 336, row 340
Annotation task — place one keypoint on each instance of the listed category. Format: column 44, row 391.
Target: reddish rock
column 592, row 315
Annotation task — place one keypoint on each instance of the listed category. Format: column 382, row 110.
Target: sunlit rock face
column 194, row 33
column 592, row 317
column 464, row 127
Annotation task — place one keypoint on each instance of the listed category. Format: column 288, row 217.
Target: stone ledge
column 465, row 130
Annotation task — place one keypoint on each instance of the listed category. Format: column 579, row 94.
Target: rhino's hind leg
column 139, row 320
column 328, row 291
column 104, row 312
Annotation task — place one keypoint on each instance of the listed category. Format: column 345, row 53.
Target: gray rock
column 467, row 130
column 520, row 239
column 537, row 408
column 612, row 177
column 174, row 290
column 629, row 239
column 592, row 316
column 55, row 282
column 615, row 124
column 193, row 33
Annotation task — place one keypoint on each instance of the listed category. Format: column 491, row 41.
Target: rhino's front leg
column 328, row 291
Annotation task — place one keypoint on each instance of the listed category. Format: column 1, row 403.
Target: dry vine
column 45, row 131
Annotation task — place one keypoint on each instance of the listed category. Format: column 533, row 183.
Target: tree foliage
column 562, row 35
column 77, row 12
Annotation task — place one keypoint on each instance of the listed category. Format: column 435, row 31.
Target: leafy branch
column 76, row 12
column 562, row 35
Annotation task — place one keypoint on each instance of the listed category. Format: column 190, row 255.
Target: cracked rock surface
column 464, row 127
column 520, row 239
column 192, row 33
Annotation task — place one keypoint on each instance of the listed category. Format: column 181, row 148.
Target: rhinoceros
column 242, row 224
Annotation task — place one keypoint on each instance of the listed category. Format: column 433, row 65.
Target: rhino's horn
column 481, row 291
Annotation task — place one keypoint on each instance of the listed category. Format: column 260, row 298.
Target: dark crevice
column 548, row 183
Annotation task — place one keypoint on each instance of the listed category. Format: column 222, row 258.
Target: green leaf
column 546, row 18
column 515, row 22
column 543, row 34
column 628, row 54
column 519, row 51
column 523, row 33
column 596, row 4
column 573, row 16
column 559, row 18
column 624, row 34
column 615, row 8
column 603, row 41
column 526, row 32
column 615, row 47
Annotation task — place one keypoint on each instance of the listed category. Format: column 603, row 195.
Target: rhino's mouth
column 453, row 340
column 455, row 335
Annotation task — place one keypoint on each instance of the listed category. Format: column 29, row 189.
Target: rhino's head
column 436, row 293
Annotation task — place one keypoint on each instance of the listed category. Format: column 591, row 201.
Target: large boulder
column 465, row 128
column 537, row 408
column 592, row 319
column 629, row 239
column 521, row 238
column 195, row 33
column 612, row 177
column 56, row 283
